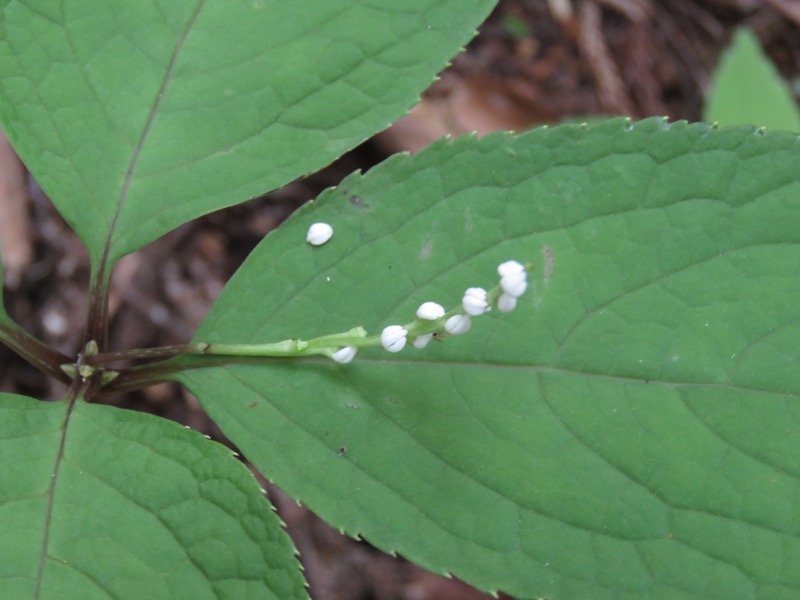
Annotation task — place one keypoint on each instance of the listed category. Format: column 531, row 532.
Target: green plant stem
column 293, row 348
column 37, row 353
column 324, row 346
column 201, row 355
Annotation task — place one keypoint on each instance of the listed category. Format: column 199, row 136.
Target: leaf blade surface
column 138, row 507
column 136, row 118
column 627, row 432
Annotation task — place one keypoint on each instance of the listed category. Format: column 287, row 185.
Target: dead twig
column 16, row 244
column 593, row 47
column 789, row 8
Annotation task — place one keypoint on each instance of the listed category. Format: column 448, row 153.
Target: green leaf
column 746, row 88
column 629, row 431
column 139, row 116
column 97, row 502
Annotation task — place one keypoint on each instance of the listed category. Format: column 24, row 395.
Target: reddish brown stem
column 37, row 353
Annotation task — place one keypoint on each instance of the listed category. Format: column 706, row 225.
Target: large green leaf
column 97, row 502
column 630, row 431
column 139, row 116
column 748, row 89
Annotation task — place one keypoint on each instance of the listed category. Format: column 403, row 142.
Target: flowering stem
column 321, row 346
column 324, row 345
column 432, row 319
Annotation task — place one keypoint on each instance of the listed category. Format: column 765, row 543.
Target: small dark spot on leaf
column 342, row 450
column 357, row 202
column 547, row 253
column 253, row 404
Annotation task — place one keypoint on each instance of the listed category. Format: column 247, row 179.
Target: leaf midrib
column 72, row 398
column 137, row 151
column 543, row 368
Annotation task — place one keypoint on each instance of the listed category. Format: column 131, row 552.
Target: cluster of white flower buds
column 432, row 319
column 513, row 282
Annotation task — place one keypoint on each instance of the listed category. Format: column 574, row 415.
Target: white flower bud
column 506, row 303
column 393, row 338
column 430, row 311
column 345, row 355
column 319, row 233
column 510, row 267
column 423, row 340
column 457, row 324
column 474, row 301
column 514, row 285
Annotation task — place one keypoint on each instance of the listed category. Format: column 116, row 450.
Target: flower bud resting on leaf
column 319, row 233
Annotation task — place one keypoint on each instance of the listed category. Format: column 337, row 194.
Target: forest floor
column 533, row 62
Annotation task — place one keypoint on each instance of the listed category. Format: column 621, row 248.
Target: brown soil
column 534, row 61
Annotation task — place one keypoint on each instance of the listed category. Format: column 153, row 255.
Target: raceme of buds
column 393, row 338
column 430, row 311
column 432, row 319
column 319, row 233
column 344, row 355
column 474, row 301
